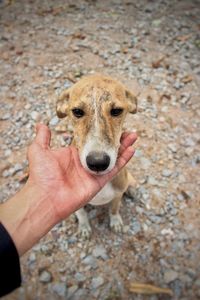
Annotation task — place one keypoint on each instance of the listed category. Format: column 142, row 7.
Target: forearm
column 27, row 217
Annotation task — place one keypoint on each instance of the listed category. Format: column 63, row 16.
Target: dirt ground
column 154, row 48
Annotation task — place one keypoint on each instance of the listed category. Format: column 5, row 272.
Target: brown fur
column 97, row 95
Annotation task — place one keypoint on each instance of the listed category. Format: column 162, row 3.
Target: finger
column 121, row 162
column 124, row 135
column 43, row 135
column 127, row 139
column 125, row 156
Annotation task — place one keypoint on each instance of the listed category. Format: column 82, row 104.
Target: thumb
column 43, row 135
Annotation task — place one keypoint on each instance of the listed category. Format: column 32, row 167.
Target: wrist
column 27, row 217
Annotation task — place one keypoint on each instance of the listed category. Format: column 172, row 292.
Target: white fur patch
column 95, row 141
column 95, row 144
column 106, row 195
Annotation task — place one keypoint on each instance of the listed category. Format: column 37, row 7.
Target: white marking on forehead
column 96, row 128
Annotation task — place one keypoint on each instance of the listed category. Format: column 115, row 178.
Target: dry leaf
column 156, row 64
column 183, row 38
column 187, row 78
column 148, row 289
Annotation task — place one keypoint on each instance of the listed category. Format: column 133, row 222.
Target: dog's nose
column 97, row 161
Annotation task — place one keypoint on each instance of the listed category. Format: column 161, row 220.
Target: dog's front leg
column 84, row 228
column 116, row 222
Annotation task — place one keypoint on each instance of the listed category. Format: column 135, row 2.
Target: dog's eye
column 116, row 112
column 78, row 113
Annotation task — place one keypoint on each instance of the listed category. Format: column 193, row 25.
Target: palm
column 59, row 175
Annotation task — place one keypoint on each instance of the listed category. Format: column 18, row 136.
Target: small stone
column 152, row 180
column 97, row 282
column 27, row 106
column 18, row 167
column 80, row 277
column 34, row 115
column 189, row 142
column 167, row 231
column 135, row 226
column 72, row 240
column 60, row 289
column 91, row 261
column 170, row 275
column 156, row 22
column 172, row 147
column 197, row 283
column 32, row 257
column 80, row 294
column 31, row 62
column 71, row 290
column 45, row 276
column 145, row 163
column 8, row 152
column 138, row 153
column 5, row 173
column 156, row 219
column 5, row 117
column 188, row 151
column 54, row 121
column 166, row 173
column 100, row 251
column 164, row 109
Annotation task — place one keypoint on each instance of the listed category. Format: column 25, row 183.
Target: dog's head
column 97, row 106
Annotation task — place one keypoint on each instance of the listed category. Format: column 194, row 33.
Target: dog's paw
column 84, row 231
column 116, row 223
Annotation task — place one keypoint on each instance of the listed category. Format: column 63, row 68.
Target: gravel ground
column 153, row 47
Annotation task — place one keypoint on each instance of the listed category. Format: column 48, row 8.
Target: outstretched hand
column 59, row 176
column 58, row 185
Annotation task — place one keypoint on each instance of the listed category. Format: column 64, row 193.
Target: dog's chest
column 106, row 195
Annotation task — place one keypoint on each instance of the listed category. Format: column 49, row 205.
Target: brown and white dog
column 97, row 106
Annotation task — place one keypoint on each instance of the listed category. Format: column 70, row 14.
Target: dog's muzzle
column 97, row 161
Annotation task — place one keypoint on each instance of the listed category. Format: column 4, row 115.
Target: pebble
column 35, row 115
column 145, row 163
column 32, row 257
column 5, row 117
column 152, row 180
column 197, row 283
column 80, row 277
column 100, row 251
column 7, row 153
column 5, row 173
column 90, row 261
column 54, row 121
column 45, row 277
column 188, row 142
column 97, row 282
column 170, row 275
column 135, row 226
column 172, row 147
column 60, row 289
column 167, row 173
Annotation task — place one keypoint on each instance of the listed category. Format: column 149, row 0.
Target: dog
column 96, row 107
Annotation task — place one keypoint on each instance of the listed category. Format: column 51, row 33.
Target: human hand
column 58, row 176
column 57, row 186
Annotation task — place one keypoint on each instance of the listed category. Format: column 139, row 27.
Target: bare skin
column 58, row 185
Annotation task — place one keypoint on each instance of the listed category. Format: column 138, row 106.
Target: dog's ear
column 62, row 104
column 132, row 101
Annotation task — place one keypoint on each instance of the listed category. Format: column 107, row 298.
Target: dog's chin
column 98, row 173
